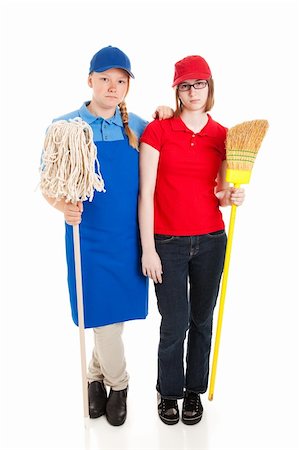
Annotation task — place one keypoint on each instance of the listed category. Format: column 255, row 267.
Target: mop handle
column 79, row 290
column 222, row 296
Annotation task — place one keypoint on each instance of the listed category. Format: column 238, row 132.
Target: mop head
column 243, row 142
column 69, row 166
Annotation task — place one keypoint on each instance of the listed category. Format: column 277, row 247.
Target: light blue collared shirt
column 106, row 129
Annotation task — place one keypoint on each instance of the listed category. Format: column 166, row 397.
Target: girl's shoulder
column 161, row 124
column 216, row 127
column 134, row 118
column 137, row 124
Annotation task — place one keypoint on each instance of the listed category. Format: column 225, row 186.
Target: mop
column 242, row 144
column 70, row 171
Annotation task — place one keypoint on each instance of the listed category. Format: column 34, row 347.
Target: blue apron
column 114, row 288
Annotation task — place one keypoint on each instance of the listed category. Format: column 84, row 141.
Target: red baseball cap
column 191, row 67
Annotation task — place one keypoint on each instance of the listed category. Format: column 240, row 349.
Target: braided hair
column 133, row 140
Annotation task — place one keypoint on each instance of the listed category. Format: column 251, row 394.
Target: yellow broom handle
column 77, row 254
column 222, row 296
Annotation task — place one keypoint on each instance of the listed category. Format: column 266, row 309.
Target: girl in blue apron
column 115, row 290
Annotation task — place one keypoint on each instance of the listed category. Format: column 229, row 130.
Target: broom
column 67, row 171
column 242, row 144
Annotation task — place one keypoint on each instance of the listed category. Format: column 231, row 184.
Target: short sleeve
column 152, row 135
column 137, row 124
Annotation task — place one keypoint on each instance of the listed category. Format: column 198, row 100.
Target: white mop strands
column 69, row 161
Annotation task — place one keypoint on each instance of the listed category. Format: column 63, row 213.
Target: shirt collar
column 208, row 130
column 86, row 115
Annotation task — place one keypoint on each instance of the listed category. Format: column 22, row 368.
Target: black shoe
column 168, row 410
column 116, row 408
column 192, row 408
column 97, row 399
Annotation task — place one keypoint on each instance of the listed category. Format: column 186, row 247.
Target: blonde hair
column 208, row 106
column 133, row 140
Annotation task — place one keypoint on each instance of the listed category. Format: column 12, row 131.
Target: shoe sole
column 191, row 421
column 95, row 416
column 116, row 424
column 169, row 421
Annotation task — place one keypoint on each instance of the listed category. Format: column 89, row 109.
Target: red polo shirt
column 184, row 200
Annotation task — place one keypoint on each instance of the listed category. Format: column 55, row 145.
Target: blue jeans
column 192, row 268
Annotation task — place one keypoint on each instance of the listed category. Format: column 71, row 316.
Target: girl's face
column 194, row 99
column 109, row 87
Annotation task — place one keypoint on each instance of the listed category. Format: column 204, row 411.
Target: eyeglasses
column 183, row 87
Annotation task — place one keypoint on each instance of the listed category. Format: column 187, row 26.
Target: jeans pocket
column 163, row 238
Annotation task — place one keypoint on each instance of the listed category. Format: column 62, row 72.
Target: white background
column 252, row 49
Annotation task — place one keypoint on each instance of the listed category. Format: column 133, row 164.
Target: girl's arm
column 226, row 194
column 72, row 213
column 148, row 160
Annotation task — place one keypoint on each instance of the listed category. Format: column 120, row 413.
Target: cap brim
column 102, row 69
column 192, row 76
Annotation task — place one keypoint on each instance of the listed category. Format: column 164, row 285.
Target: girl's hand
column 237, row 196
column 231, row 196
column 151, row 266
column 72, row 213
column 163, row 112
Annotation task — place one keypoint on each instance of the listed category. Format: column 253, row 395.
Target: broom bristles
column 243, row 142
column 68, row 162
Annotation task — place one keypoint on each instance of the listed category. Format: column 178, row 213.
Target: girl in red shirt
column 182, row 186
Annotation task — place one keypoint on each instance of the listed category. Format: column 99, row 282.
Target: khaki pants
column 108, row 362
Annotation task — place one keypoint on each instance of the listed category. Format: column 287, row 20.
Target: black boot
column 168, row 410
column 116, row 408
column 97, row 398
column 192, row 408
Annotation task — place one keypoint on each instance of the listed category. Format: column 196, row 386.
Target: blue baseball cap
column 110, row 58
